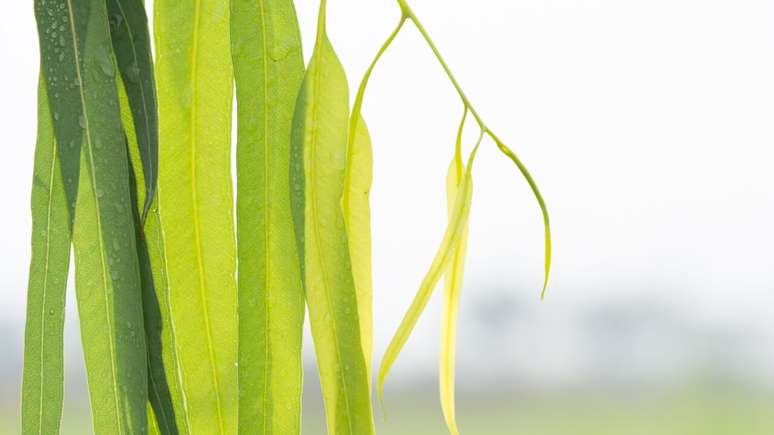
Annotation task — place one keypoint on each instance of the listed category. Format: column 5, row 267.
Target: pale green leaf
column 543, row 209
column 451, row 300
column 357, row 217
column 452, row 288
column 320, row 144
column 268, row 68
column 454, row 235
column 194, row 80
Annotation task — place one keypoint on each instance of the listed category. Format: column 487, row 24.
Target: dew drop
column 105, row 61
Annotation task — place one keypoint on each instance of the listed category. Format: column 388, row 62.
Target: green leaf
column 455, row 234
column 78, row 65
column 43, row 375
column 62, row 28
column 357, row 217
column 268, row 68
column 320, row 143
column 194, row 80
column 131, row 43
column 166, row 404
column 543, row 209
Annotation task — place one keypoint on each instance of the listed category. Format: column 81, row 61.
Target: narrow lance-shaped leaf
column 62, row 39
column 357, row 216
column 131, row 43
column 356, row 206
column 194, row 80
column 165, row 401
column 452, row 287
column 455, row 233
column 268, row 68
column 80, row 75
column 320, row 143
column 541, row 202
column 43, row 374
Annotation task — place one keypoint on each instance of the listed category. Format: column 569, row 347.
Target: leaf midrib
column 45, row 280
column 313, row 142
column 266, row 215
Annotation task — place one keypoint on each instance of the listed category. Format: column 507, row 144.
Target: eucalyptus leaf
column 453, row 237
column 131, row 43
column 78, row 66
column 165, row 407
column 43, row 375
column 268, row 68
column 194, row 81
column 320, row 145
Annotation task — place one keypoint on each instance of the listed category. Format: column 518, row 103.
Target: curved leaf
column 455, row 233
column 543, row 209
column 320, row 144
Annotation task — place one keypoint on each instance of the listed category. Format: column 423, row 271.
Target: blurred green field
column 715, row 412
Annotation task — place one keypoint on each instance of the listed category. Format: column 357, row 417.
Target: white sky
column 648, row 126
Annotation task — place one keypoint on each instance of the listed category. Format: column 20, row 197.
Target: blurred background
column 648, row 126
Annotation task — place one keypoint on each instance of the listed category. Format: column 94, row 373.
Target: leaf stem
column 408, row 13
column 358, row 104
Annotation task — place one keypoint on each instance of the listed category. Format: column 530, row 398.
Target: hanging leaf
column 357, row 216
column 452, row 288
column 543, row 209
column 355, row 204
column 131, row 43
column 194, row 80
column 78, row 65
column 455, row 234
column 166, row 406
column 268, row 68
column 320, row 143
column 43, row 375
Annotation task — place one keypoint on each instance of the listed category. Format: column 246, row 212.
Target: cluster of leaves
column 190, row 324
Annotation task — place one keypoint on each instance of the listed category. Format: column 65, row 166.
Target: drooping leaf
column 43, row 376
column 320, row 143
column 165, row 401
column 78, row 65
column 543, row 209
column 131, row 43
column 194, row 81
column 62, row 28
column 357, row 217
column 268, row 68
column 356, row 207
column 455, row 233
column 452, row 288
